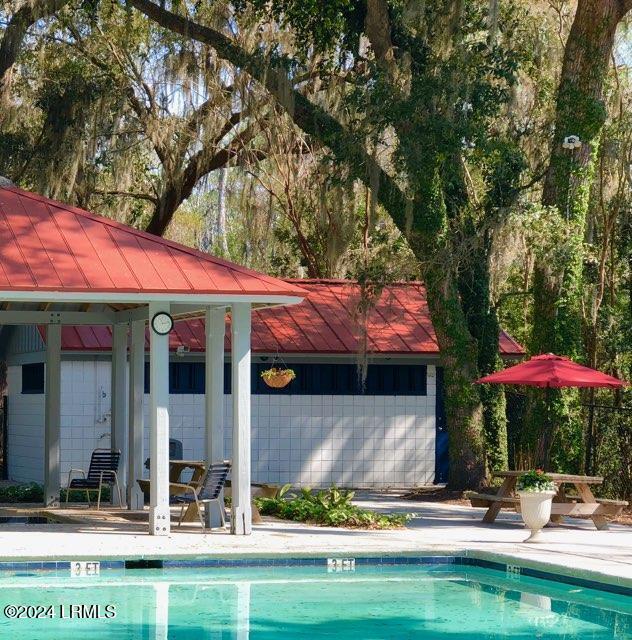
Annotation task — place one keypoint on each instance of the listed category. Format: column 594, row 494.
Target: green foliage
column 77, row 495
column 613, row 455
column 534, row 481
column 34, row 492
column 332, row 508
column 321, row 26
column 101, row 112
column 22, row 493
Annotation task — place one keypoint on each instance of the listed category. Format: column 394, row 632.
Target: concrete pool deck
column 575, row 547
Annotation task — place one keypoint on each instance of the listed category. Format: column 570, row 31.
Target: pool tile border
column 63, row 566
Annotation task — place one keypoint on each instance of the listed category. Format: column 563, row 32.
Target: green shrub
column 34, row 492
column 22, row 493
column 79, row 495
column 332, row 507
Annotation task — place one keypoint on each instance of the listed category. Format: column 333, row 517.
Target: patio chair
column 103, row 467
column 210, row 490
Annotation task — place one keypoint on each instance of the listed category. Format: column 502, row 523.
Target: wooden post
column 135, row 498
column 214, row 395
column 159, row 513
column 241, row 520
column 52, row 416
column 119, row 395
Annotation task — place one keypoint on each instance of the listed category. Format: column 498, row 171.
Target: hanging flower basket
column 278, row 378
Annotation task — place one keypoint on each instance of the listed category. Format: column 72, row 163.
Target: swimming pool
column 27, row 520
column 260, row 603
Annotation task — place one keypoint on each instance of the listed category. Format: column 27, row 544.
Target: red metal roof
column 50, row 246
column 325, row 322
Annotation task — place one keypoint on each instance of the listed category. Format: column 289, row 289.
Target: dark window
column 33, row 378
column 343, row 379
column 184, row 377
column 311, row 379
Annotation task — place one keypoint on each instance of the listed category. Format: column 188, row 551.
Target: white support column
column 52, row 416
column 135, row 454
column 159, row 514
column 241, row 520
column 119, row 395
column 214, row 395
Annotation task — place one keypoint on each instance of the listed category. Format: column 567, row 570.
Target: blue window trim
column 33, row 378
column 311, row 379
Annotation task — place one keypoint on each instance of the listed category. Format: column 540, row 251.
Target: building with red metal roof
column 301, row 434
column 326, row 322
column 76, row 287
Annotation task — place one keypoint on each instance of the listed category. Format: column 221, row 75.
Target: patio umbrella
column 551, row 371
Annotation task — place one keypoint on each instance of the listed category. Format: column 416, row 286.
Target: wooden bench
column 618, row 503
column 611, row 508
column 485, row 500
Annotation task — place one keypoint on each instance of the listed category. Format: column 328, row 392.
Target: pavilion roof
column 47, row 247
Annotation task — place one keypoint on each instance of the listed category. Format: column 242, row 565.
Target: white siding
column 361, row 441
column 25, row 431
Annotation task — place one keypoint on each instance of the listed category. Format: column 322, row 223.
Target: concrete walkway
column 574, row 547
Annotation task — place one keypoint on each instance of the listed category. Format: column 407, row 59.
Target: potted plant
column 536, row 491
column 278, row 378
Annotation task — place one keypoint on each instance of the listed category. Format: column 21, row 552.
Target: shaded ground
column 436, row 494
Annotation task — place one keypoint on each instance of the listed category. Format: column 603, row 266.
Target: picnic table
column 583, row 504
column 178, row 488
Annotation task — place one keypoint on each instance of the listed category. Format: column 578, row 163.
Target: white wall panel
column 360, row 441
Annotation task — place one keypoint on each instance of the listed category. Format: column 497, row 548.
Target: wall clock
column 162, row 323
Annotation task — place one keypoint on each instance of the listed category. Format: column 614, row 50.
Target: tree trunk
column 208, row 233
column 483, row 324
column 179, row 186
column 464, row 413
column 169, row 200
column 580, row 111
column 220, row 228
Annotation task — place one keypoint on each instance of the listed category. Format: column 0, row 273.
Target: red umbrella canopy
column 549, row 370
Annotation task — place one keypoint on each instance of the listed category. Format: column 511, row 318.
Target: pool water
column 26, row 520
column 402, row 601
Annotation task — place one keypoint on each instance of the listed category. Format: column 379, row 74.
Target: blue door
column 441, row 447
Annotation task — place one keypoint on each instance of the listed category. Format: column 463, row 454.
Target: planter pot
column 279, row 380
column 535, row 507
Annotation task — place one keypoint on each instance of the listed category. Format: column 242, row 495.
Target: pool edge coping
column 500, row 561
